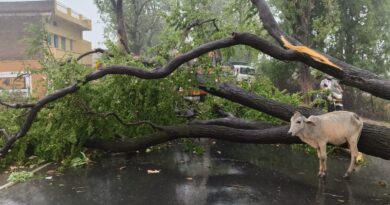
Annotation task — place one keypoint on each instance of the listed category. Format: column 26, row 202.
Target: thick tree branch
column 97, row 50
column 17, row 105
column 276, row 109
column 348, row 74
column 266, row 136
column 234, row 122
column 270, row 23
column 169, row 68
column 198, row 22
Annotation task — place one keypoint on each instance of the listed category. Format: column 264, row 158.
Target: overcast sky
column 88, row 9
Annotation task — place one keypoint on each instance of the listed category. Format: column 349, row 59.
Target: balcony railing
column 61, row 7
column 69, row 12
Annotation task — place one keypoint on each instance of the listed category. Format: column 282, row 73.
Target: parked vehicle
column 244, row 72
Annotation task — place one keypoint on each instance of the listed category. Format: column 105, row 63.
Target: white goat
column 335, row 128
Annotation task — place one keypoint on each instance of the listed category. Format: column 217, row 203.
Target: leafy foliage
column 19, row 177
column 79, row 161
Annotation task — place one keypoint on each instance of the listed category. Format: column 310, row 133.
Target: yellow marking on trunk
column 310, row 52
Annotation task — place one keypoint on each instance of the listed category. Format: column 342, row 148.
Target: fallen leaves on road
column 360, row 158
column 155, row 171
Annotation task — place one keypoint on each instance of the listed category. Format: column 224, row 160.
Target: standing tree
column 136, row 23
column 362, row 39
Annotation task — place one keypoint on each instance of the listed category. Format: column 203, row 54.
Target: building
column 65, row 38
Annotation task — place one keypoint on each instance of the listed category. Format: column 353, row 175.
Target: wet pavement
column 225, row 174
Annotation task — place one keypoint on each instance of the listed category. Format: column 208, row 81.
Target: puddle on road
column 226, row 174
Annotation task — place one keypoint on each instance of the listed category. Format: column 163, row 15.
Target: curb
column 9, row 184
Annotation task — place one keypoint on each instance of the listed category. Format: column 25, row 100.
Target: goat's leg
column 321, row 167
column 322, row 157
column 354, row 153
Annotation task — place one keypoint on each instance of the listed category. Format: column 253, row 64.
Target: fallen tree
column 375, row 140
column 368, row 143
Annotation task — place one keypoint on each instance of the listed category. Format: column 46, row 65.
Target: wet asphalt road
column 226, row 174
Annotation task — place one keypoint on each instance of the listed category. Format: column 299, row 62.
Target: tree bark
column 234, row 123
column 120, row 23
column 266, row 136
column 302, row 31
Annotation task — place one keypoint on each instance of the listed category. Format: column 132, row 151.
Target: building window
column 71, row 44
column 55, row 38
column 49, row 39
column 63, row 43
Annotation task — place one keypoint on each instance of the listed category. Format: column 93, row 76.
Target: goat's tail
column 358, row 120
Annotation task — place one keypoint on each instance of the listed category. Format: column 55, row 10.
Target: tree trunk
column 305, row 81
column 302, row 31
column 266, row 136
column 121, row 29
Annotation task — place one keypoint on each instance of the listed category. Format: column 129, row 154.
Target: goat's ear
column 310, row 121
column 297, row 113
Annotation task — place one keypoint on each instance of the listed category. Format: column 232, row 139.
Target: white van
column 244, row 72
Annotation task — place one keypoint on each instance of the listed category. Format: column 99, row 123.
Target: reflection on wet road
column 226, row 174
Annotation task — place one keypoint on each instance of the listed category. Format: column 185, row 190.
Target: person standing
column 335, row 98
